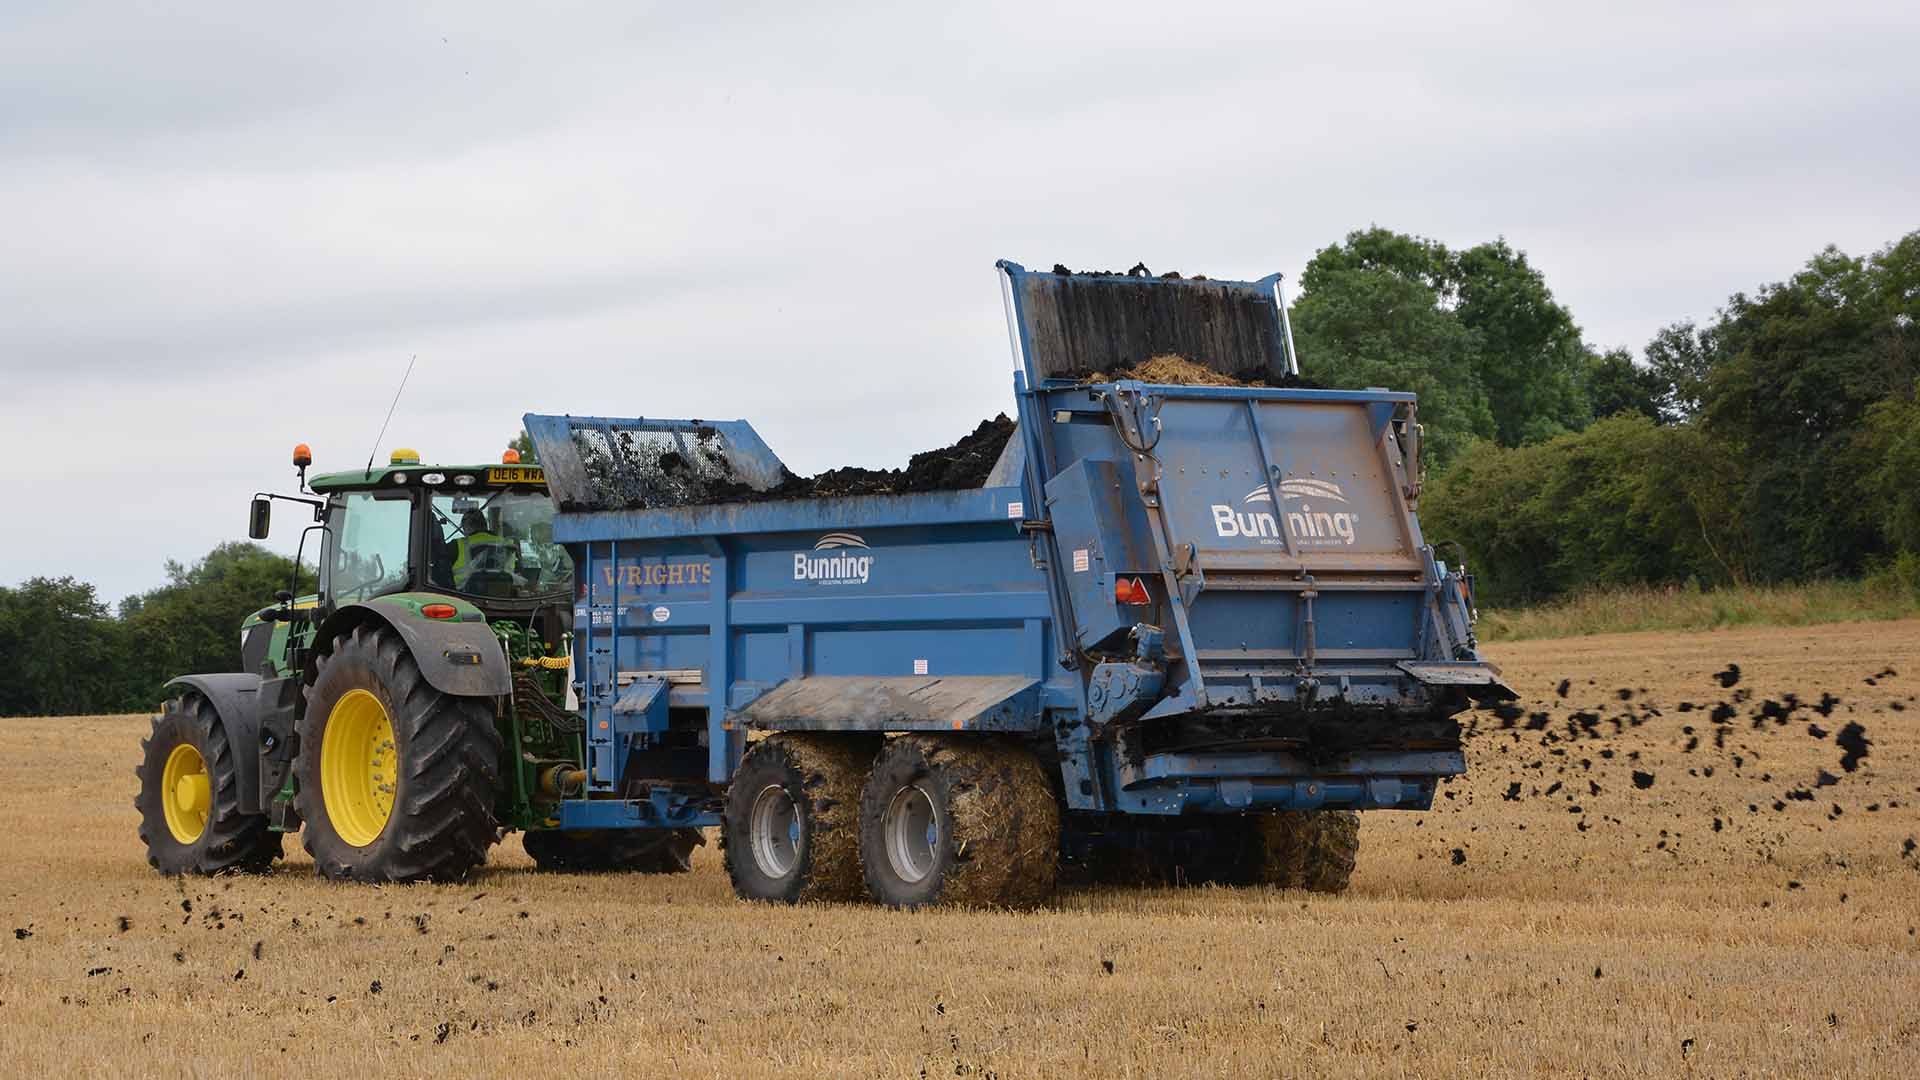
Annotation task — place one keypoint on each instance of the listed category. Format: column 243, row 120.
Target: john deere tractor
column 409, row 713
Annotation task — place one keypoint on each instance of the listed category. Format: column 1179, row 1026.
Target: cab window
column 370, row 536
column 496, row 544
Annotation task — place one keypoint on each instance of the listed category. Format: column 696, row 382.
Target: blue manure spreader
column 1181, row 631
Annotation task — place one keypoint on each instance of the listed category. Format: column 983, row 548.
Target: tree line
column 67, row 653
column 1776, row 443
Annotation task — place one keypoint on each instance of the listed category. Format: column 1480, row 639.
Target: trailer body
column 1186, row 599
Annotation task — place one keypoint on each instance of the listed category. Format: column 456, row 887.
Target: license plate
column 516, row 474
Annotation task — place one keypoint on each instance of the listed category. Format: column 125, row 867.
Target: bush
column 1644, row 607
column 1626, row 501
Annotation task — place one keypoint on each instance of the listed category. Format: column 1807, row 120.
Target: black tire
column 1208, row 851
column 1144, row 851
column 634, row 851
column 1095, row 849
column 947, row 819
column 1334, row 852
column 814, row 781
column 1304, row 849
column 447, row 755
column 230, row 841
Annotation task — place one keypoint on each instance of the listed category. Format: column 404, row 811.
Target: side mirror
column 261, row 517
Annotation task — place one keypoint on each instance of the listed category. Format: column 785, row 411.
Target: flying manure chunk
column 1853, row 744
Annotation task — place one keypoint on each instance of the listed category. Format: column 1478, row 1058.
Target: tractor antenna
column 383, row 424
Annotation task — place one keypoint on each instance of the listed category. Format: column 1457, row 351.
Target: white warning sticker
column 1079, row 560
column 919, row 667
column 1016, row 510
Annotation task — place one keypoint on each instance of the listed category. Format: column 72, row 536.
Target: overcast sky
column 225, row 232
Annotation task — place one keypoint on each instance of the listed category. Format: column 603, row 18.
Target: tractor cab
column 468, row 542
column 481, row 533
column 435, row 657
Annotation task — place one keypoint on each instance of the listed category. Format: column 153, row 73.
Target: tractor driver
column 480, row 549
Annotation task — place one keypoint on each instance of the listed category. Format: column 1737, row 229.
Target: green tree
column 1528, row 352
column 192, row 623
column 1680, row 357
column 1373, row 311
column 1476, row 333
column 1794, row 371
column 1615, row 384
column 523, row 442
column 1888, row 458
column 62, row 650
column 1624, row 502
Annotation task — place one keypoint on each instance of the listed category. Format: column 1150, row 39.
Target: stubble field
column 1744, row 907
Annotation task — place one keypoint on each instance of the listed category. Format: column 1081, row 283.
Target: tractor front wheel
column 633, row 851
column 396, row 780
column 189, row 799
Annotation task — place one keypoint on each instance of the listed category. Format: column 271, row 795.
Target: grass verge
column 1630, row 608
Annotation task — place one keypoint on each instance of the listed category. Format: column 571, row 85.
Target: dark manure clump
column 637, row 477
column 1853, row 745
column 965, row 464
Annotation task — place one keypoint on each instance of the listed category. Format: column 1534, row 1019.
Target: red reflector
column 1130, row 591
column 439, row 611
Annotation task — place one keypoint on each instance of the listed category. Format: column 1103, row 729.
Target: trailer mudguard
column 460, row 658
column 233, row 696
column 899, row 703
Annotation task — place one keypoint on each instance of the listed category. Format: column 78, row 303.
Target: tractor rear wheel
column 953, row 820
column 791, row 830
column 396, row 780
column 635, row 851
column 189, row 799
column 1303, row 849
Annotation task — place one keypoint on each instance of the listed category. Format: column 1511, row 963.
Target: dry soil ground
column 1586, row 925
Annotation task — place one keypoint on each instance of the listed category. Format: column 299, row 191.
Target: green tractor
column 408, row 714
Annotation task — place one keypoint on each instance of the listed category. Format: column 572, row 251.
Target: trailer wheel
column 1304, row 849
column 790, row 832
column 1094, row 850
column 1333, row 852
column 634, row 851
column 396, row 780
column 189, row 799
column 954, row 820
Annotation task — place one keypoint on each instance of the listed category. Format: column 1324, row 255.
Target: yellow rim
column 358, row 771
column 185, row 793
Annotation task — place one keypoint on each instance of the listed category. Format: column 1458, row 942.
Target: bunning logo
column 837, row 561
column 1306, row 526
